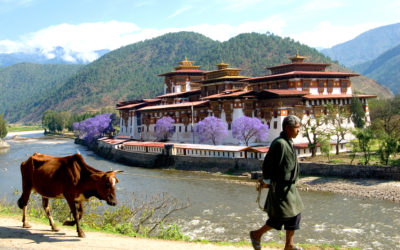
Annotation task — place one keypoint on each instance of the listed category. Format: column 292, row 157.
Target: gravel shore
column 365, row 188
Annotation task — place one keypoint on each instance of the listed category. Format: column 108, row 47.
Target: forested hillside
column 22, row 85
column 385, row 69
column 131, row 71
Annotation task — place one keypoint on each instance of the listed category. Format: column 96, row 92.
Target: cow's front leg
column 74, row 212
column 46, row 206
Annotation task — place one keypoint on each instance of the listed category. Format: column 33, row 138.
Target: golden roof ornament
column 186, row 65
column 297, row 58
column 222, row 65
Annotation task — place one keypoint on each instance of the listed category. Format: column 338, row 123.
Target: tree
column 94, row 127
column 337, row 117
column 364, row 137
column 387, row 148
column 246, row 128
column 325, row 146
column 3, row 127
column 385, row 115
column 53, row 121
column 357, row 113
column 164, row 128
column 312, row 129
column 211, row 129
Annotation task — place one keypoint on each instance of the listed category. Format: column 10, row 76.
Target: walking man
column 280, row 172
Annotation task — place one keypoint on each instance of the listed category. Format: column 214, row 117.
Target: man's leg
column 289, row 245
column 257, row 234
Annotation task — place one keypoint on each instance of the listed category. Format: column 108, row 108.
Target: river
column 221, row 210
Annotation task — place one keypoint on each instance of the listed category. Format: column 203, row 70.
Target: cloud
column 82, row 40
column 179, row 11
column 327, row 35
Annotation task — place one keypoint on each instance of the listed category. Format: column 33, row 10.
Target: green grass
column 20, row 128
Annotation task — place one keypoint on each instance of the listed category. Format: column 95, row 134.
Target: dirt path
column 12, row 236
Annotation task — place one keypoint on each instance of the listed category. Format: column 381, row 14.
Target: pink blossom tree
column 211, row 129
column 164, row 128
column 246, row 128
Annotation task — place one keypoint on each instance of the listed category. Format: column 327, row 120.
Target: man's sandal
column 254, row 242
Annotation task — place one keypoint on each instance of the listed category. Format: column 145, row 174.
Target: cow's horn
column 118, row 171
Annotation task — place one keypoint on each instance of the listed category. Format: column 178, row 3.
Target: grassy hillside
column 385, row 69
column 367, row 46
column 131, row 71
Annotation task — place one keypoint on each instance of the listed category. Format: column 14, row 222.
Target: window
column 275, row 124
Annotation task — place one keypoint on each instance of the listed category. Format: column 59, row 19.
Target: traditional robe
column 281, row 167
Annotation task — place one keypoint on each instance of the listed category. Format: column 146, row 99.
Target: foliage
column 246, row 128
column 325, row 146
column 53, row 121
column 357, row 113
column 3, row 127
column 211, row 129
column 24, row 85
column 363, row 143
column 385, row 116
column 164, row 128
column 336, row 118
column 313, row 129
column 389, row 146
column 145, row 216
column 94, row 127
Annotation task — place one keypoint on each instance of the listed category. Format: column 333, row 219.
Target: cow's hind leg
column 23, row 202
column 46, row 206
column 79, row 207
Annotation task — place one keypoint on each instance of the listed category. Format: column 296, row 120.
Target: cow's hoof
column 81, row 234
column 55, row 229
column 26, row 225
column 69, row 223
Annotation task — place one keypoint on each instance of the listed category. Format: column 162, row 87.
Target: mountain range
column 131, row 72
column 365, row 47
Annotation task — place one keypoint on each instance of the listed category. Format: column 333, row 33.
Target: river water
column 221, row 210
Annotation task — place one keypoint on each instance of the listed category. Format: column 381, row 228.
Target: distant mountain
column 57, row 56
column 22, row 85
column 131, row 71
column 385, row 69
column 365, row 47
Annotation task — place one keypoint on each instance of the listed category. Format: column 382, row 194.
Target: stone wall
column 149, row 160
column 350, row 171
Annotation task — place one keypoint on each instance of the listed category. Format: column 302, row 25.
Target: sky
column 82, row 27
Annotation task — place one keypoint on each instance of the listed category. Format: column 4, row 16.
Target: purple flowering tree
column 246, row 128
column 211, row 129
column 94, row 127
column 164, row 128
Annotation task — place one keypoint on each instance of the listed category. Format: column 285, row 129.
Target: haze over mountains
column 131, row 72
column 375, row 54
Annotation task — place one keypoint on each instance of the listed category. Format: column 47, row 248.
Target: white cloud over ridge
column 80, row 42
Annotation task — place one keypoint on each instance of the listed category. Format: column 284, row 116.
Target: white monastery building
column 190, row 94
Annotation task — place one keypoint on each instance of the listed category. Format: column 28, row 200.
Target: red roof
column 286, row 92
column 180, row 93
column 183, row 71
column 145, row 144
column 307, row 73
column 179, row 105
column 112, row 141
column 226, row 94
column 129, row 106
column 259, row 149
column 299, row 64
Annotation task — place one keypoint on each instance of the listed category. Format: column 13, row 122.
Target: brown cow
column 65, row 177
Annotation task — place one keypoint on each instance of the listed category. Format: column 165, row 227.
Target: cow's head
column 106, row 187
